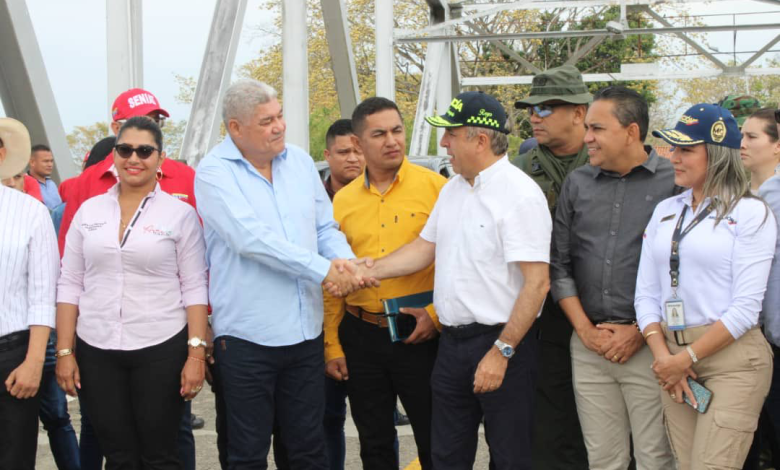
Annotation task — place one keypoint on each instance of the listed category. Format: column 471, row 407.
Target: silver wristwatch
column 506, row 350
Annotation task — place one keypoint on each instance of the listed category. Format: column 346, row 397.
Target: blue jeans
column 54, row 415
column 56, row 421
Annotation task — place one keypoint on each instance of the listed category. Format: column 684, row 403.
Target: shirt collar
column 228, row 151
column 650, row 164
column 488, row 173
column 114, row 191
column 399, row 176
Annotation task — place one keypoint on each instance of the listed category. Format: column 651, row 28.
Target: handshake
column 347, row 276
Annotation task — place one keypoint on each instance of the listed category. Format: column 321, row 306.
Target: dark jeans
column 558, row 447
column 56, row 421
column 381, row 371
column 220, row 421
column 767, row 437
column 91, row 454
column 132, row 399
column 260, row 383
column 457, row 410
column 18, row 418
column 333, row 424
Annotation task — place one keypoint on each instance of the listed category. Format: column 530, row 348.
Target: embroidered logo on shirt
column 729, row 220
column 93, row 226
column 181, row 196
column 156, row 231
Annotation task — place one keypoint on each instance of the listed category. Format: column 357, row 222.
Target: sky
column 72, row 38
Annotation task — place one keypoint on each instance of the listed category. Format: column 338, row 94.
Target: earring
column 159, row 174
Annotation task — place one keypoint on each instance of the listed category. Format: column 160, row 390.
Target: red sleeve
column 74, row 202
column 65, row 187
column 179, row 182
column 32, row 188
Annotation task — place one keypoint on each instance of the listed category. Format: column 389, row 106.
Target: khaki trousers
column 614, row 402
column 739, row 377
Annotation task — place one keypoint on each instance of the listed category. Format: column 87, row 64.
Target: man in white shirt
column 29, row 266
column 490, row 235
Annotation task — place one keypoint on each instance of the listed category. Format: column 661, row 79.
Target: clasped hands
column 672, row 372
column 347, row 276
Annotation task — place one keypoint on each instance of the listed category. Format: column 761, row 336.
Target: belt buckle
column 677, row 338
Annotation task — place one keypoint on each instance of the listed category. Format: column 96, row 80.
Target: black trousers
column 18, row 418
column 133, row 401
column 457, row 410
column 379, row 372
column 260, row 383
column 557, row 439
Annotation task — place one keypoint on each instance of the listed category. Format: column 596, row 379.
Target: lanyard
column 677, row 236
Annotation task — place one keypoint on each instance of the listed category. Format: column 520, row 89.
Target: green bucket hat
column 740, row 106
column 558, row 84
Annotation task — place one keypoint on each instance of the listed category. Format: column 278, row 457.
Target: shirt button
column 612, row 232
column 606, row 291
column 617, row 204
column 383, row 250
column 383, row 225
column 609, row 262
column 622, row 180
column 382, row 200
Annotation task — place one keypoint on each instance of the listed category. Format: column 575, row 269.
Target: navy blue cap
column 703, row 124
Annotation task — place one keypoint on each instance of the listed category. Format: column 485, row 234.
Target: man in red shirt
column 175, row 178
column 31, row 187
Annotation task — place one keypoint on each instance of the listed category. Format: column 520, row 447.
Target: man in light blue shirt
column 270, row 234
column 41, row 168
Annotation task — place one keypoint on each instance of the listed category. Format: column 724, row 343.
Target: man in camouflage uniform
column 741, row 106
column 557, row 106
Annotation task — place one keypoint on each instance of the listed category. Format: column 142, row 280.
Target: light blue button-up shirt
column 50, row 193
column 267, row 245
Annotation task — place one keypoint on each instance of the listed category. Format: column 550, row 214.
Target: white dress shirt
column 481, row 232
column 723, row 268
column 29, row 263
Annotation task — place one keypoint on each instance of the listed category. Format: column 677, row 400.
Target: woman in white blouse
column 133, row 298
column 702, row 276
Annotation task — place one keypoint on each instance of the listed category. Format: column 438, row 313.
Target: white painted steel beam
column 124, row 47
column 608, row 77
column 215, row 73
column 685, row 38
column 24, row 86
column 587, row 33
column 760, row 52
column 342, row 58
column 474, row 11
column 421, row 131
column 385, row 56
column 295, row 64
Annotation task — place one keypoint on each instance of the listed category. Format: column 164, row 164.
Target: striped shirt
column 29, row 263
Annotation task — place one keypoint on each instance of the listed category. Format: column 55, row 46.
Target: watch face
column 506, row 351
column 194, row 342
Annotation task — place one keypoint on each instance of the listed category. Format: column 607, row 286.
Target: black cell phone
column 401, row 326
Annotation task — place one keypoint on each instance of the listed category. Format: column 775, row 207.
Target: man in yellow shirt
column 379, row 212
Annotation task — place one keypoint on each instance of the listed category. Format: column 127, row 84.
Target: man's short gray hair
column 242, row 97
column 499, row 143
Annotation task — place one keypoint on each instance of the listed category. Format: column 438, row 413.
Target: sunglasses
column 777, row 116
column 544, row 110
column 143, row 151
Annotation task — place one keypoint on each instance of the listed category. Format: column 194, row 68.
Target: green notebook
column 401, row 325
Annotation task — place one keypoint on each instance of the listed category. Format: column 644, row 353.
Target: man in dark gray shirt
column 597, row 238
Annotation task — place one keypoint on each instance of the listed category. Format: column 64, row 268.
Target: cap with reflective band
column 475, row 109
column 136, row 102
column 703, row 124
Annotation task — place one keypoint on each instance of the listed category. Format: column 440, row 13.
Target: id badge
column 675, row 314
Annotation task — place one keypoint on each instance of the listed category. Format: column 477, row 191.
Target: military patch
column 718, row 131
column 668, row 217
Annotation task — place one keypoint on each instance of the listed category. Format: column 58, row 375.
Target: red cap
column 136, row 102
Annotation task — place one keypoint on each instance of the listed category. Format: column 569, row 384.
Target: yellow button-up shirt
column 377, row 224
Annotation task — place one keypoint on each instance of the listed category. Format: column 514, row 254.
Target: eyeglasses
column 544, row 110
column 777, row 116
column 143, row 151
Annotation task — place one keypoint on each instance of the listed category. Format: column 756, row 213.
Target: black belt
column 14, row 340
column 617, row 321
column 472, row 329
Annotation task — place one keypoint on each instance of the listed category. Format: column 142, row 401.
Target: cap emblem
column 718, row 131
column 688, row 121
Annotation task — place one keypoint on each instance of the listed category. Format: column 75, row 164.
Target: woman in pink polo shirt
column 133, row 298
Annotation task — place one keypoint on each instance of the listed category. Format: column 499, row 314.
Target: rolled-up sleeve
column 43, row 268
column 191, row 258
column 647, row 298
column 562, row 284
column 754, row 249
